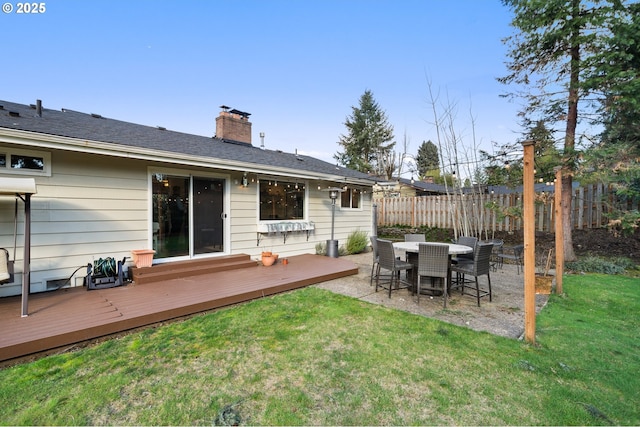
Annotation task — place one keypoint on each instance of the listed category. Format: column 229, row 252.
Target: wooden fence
column 497, row 212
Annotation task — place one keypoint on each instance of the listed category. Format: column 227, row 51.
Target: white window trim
column 263, row 224
column 8, row 152
column 342, row 208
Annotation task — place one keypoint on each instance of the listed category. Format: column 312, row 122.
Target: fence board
column 589, row 206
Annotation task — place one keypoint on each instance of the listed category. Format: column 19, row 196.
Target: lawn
column 316, row 358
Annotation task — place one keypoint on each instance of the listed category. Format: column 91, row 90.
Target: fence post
column 413, row 211
column 598, row 205
column 580, row 207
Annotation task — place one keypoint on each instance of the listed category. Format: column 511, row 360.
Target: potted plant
column 268, row 258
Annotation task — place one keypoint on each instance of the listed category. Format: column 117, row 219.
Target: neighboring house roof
column 83, row 132
column 404, row 185
column 425, row 188
column 538, row 188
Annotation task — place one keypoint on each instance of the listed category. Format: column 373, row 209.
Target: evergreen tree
column 427, row 160
column 503, row 169
column 549, row 55
column 368, row 141
column 615, row 74
column 547, row 156
column 616, row 159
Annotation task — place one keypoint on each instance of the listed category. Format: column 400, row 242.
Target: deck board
column 68, row 316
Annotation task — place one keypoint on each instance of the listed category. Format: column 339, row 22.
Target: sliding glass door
column 208, row 212
column 188, row 215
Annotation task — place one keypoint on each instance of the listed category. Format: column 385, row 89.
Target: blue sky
column 297, row 66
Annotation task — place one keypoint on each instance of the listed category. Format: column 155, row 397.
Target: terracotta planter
column 268, row 260
column 142, row 257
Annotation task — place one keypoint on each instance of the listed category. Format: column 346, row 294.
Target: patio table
column 411, row 249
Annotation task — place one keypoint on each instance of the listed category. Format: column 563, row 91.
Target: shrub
column 321, row 249
column 357, row 241
column 432, row 234
column 435, row 234
column 595, row 264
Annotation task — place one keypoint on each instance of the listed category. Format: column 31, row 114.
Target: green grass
column 312, row 357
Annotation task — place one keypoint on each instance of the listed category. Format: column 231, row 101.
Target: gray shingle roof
column 93, row 127
column 426, row 187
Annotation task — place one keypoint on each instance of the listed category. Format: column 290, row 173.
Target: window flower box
column 284, row 228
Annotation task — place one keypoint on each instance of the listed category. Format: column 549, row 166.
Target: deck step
column 181, row 269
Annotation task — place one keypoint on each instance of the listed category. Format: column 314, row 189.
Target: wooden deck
column 69, row 316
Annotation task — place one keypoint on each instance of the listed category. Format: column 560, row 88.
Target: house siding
column 244, row 221
column 95, row 206
column 90, row 207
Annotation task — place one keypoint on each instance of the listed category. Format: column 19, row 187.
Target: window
column 25, row 162
column 281, row 200
column 351, row 198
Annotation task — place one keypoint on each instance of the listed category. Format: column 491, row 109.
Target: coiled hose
column 106, row 267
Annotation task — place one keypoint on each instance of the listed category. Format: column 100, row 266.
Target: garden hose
column 106, row 267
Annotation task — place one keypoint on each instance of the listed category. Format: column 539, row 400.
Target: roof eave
column 14, row 136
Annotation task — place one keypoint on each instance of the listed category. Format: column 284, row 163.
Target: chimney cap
column 240, row 113
column 224, row 108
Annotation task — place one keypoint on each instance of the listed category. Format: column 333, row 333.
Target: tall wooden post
column 528, row 218
column 559, row 229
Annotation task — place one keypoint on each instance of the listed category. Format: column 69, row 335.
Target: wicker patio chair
column 376, row 257
column 467, row 241
column 388, row 261
column 497, row 250
column 516, row 255
column 479, row 267
column 433, row 262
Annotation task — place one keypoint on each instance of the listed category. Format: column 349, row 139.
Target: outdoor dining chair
column 467, row 241
column 516, row 255
column 374, row 265
column 479, row 267
column 497, row 250
column 414, row 238
column 433, row 262
column 388, row 261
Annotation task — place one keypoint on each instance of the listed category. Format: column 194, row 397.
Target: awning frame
column 23, row 188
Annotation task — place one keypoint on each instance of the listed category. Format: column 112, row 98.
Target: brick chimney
column 233, row 125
